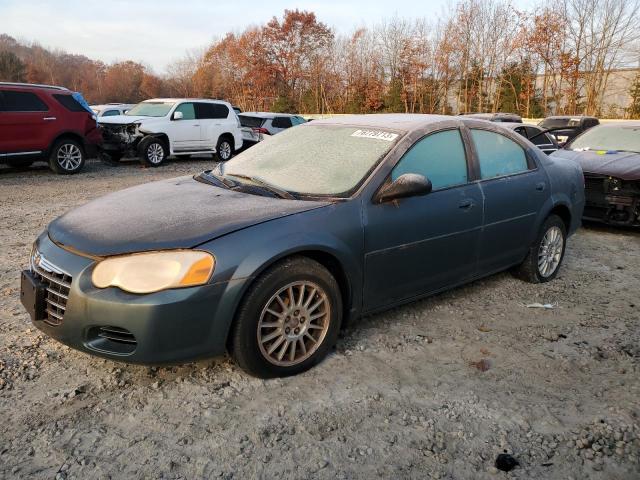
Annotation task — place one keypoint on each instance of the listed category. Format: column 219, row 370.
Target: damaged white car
column 157, row 128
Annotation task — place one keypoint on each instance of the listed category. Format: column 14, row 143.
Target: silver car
column 111, row 109
column 255, row 125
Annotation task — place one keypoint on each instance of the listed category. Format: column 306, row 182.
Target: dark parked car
column 536, row 135
column 609, row 155
column 272, row 252
column 495, row 117
column 564, row 128
column 41, row 122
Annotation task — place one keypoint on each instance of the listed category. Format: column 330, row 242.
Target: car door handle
column 197, row 125
column 540, row 186
column 49, row 119
column 466, row 204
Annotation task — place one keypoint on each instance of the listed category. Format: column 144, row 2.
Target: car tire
column 546, row 254
column 224, row 149
column 269, row 322
column 152, row 151
column 67, row 157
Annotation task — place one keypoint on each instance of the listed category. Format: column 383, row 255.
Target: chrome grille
column 57, row 284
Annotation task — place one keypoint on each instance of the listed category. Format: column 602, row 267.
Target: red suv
column 40, row 122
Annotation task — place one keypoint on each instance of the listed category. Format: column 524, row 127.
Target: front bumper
column 614, row 207
column 165, row 327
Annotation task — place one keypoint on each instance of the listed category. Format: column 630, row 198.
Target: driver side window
column 440, row 157
column 188, row 111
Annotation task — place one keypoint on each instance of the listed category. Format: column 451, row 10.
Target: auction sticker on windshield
column 377, row 134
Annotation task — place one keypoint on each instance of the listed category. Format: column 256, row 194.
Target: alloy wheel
column 155, row 153
column 69, row 156
column 293, row 323
column 550, row 251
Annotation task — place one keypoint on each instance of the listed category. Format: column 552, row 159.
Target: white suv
column 157, row 128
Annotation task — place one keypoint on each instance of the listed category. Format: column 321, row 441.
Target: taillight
column 261, row 130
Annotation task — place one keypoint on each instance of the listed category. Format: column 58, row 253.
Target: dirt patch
column 438, row 388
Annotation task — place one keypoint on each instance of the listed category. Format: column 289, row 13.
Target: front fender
column 333, row 230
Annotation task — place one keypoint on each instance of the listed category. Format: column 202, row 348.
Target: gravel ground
column 434, row 389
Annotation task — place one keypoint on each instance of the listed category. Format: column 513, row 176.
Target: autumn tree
column 12, row 69
column 293, row 47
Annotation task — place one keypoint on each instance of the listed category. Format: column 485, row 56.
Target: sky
column 157, row 32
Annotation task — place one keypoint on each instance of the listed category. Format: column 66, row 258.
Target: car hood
column 124, row 119
column 623, row 165
column 175, row 213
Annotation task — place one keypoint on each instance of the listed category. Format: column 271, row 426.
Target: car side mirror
column 406, row 185
column 177, row 115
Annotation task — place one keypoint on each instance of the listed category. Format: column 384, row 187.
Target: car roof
column 564, row 117
column 489, row 115
column 175, row 100
column 111, row 105
column 395, row 121
column 33, row 85
column 632, row 124
column 267, row 114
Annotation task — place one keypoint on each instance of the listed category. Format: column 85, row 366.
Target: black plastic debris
column 506, row 462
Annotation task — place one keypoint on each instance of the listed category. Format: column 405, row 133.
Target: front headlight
column 154, row 271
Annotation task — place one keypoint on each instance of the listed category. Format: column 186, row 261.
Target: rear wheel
column 152, row 151
column 546, row 254
column 288, row 320
column 224, row 149
column 67, row 157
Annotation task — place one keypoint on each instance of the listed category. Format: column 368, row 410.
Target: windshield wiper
column 266, row 185
column 215, row 180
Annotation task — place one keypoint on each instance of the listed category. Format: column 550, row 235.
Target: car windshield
column 560, row 122
column 619, row 137
column 312, row 160
column 151, row 109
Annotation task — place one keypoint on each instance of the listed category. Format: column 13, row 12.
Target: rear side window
column 68, row 102
column 281, row 122
column 498, row 155
column 22, row 102
column 440, row 157
column 188, row 111
column 538, row 138
column 211, row 110
column 252, row 122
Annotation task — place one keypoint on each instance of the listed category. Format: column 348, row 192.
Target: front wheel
column 546, row 254
column 288, row 321
column 67, row 157
column 152, row 151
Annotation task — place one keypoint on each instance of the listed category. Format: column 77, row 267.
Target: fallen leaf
column 483, row 365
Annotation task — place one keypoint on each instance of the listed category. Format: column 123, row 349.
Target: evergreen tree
column 633, row 111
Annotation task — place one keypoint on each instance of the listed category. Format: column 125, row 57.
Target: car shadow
column 613, row 229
